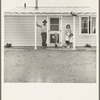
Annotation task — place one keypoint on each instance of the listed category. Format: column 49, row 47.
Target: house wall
column 80, row 40
column 19, row 30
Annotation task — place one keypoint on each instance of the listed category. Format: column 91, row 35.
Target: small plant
column 88, row 45
column 63, row 46
column 8, row 45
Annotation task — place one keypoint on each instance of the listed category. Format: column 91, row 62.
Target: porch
column 21, row 29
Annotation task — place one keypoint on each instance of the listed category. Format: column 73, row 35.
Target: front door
column 54, row 28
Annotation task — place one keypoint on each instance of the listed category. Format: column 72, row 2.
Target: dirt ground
column 49, row 65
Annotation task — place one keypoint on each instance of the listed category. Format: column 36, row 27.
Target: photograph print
column 48, row 41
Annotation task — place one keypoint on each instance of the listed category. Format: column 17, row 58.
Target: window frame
column 80, row 27
column 55, row 24
column 91, row 24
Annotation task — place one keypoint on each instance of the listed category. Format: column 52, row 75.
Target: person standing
column 56, row 39
column 43, row 33
column 67, row 35
column 71, row 40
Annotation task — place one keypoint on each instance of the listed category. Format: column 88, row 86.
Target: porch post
column 61, row 29
column 47, row 31
column 74, row 32
column 35, row 29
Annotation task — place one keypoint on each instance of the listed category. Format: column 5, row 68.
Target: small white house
column 21, row 29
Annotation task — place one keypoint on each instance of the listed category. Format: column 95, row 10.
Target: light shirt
column 67, row 33
column 67, row 36
column 71, row 39
column 68, row 30
column 43, row 28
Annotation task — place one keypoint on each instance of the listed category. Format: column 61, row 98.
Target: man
column 43, row 33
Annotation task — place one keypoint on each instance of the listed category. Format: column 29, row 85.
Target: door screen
column 54, row 24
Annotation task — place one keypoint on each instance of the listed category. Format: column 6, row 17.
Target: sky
column 10, row 4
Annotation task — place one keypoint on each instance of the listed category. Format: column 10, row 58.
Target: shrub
column 8, row 45
column 88, row 45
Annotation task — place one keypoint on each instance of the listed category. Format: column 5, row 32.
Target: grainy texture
column 48, row 65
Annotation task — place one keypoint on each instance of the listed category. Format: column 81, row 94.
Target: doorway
column 54, row 28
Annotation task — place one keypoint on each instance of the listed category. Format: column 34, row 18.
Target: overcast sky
column 10, row 4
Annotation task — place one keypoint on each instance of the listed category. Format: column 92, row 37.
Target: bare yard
column 50, row 66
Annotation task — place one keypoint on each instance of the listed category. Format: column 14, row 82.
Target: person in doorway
column 43, row 33
column 56, row 38
column 67, row 35
column 71, row 40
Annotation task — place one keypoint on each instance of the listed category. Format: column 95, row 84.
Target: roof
column 52, row 10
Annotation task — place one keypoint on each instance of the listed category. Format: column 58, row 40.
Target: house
column 21, row 29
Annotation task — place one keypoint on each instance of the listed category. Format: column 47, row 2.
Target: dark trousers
column 44, row 38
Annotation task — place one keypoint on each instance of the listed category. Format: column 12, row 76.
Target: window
column 84, row 25
column 88, row 25
column 93, row 26
column 54, row 24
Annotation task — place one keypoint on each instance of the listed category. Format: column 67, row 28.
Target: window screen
column 88, row 25
column 84, row 25
column 93, row 29
column 54, row 24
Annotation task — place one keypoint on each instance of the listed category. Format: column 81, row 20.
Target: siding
column 80, row 40
column 19, row 30
column 40, row 22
